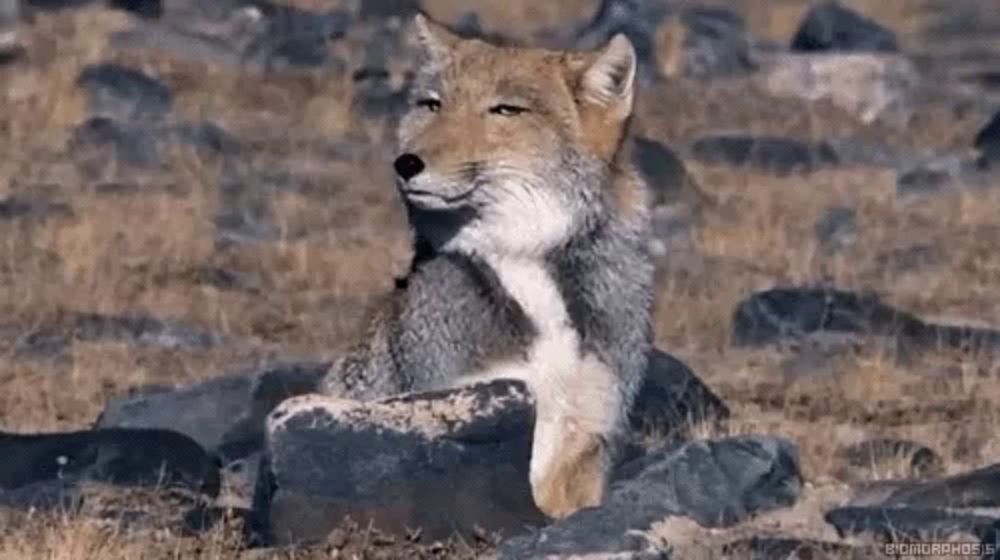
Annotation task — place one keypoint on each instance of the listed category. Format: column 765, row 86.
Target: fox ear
column 434, row 39
column 609, row 80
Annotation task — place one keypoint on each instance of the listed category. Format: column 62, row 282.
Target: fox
column 531, row 260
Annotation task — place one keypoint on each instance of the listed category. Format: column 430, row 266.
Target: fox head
column 511, row 150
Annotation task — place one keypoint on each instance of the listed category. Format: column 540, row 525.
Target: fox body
column 531, row 259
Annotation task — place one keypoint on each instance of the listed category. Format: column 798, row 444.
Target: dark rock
column 10, row 50
column 788, row 314
column 154, row 458
column 141, row 8
column 375, row 96
column 944, row 174
column 19, row 207
column 225, row 415
column 468, row 25
column 990, row 542
column 988, row 139
column 10, row 17
column 838, row 228
column 261, row 35
column 443, row 461
column 384, row 9
column 637, row 19
column 780, row 548
column 767, row 153
column 975, row 489
column 716, row 483
column 138, row 330
column 665, row 173
column 904, row 523
column 707, row 42
column 672, row 399
column 921, row 460
column 123, row 93
column 100, row 143
column 832, row 27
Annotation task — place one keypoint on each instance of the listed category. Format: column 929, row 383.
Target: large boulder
column 441, row 461
column 226, row 414
column 716, row 483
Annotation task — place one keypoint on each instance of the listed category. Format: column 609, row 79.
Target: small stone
column 837, row 228
column 778, row 155
column 830, row 26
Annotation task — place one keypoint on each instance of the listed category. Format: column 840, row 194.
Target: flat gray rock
column 30, row 207
column 226, row 415
column 781, row 156
column 54, row 340
column 717, row 483
column 101, row 143
column 974, row 489
column 150, row 458
column 124, row 93
column 944, row 174
column 791, row 313
column 906, row 523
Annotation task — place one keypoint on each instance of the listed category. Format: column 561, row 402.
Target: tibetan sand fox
column 531, row 262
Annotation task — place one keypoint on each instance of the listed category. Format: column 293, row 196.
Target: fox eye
column 505, row 110
column 429, row 103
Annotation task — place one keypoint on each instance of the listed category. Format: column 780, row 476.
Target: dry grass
column 138, row 251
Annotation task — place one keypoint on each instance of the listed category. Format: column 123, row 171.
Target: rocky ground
column 196, row 209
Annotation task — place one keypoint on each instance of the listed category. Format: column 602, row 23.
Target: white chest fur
column 555, row 351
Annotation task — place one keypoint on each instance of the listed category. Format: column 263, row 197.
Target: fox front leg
column 572, row 451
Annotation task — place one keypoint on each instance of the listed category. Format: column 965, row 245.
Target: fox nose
column 408, row 166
